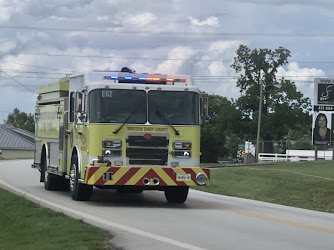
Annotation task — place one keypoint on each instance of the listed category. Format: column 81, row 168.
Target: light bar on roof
column 143, row 78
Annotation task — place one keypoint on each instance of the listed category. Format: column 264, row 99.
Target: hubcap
column 72, row 177
column 46, row 176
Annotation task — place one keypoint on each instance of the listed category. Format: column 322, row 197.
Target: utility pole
column 259, row 123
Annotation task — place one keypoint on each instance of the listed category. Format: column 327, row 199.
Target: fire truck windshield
column 116, row 105
column 130, row 107
column 176, row 108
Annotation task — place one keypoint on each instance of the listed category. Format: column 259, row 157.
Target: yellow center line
column 264, row 217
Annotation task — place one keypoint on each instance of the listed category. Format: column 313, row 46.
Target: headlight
column 181, row 149
column 112, row 147
column 181, row 145
column 112, row 143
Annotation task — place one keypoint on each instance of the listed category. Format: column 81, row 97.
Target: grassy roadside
column 307, row 185
column 26, row 225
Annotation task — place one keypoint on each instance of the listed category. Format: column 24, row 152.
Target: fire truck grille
column 150, row 151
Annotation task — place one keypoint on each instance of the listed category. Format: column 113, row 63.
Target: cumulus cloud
column 176, row 62
column 140, row 19
column 210, row 21
column 9, row 8
column 305, row 74
column 303, row 77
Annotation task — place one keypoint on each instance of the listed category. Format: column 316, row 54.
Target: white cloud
column 294, row 72
column 102, row 18
column 303, row 77
column 176, row 66
column 140, row 19
column 6, row 45
column 8, row 8
column 210, row 21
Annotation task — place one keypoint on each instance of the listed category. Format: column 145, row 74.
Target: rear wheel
column 79, row 191
column 176, row 194
column 50, row 180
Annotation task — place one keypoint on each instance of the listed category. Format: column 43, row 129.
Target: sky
column 42, row 41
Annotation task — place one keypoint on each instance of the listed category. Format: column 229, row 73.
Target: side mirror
column 0, row 152
column 82, row 116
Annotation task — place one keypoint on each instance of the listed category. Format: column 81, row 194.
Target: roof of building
column 15, row 138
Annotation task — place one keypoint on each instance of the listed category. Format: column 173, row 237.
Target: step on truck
column 120, row 130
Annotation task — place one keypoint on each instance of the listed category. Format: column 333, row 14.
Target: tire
column 50, row 180
column 79, row 191
column 176, row 194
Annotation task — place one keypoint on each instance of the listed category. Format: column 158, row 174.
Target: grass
column 26, row 225
column 292, row 184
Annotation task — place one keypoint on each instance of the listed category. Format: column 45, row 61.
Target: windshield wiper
column 163, row 118
column 123, row 123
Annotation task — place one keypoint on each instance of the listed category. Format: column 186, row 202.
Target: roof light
column 128, row 77
column 114, row 77
column 156, row 78
column 183, row 80
column 170, row 79
column 142, row 78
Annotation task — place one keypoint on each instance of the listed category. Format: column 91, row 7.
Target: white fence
column 297, row 155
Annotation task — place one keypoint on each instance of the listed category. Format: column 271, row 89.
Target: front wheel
column 176, row 194
column 79, row 191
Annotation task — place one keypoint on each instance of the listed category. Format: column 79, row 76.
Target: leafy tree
column 21, row 120
column 221, row 132
column 284, row 107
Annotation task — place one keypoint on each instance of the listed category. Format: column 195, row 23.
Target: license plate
column 183, row 177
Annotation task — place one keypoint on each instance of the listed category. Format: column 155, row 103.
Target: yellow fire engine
column 119, row 130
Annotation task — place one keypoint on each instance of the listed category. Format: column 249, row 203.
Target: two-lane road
column 205, row 221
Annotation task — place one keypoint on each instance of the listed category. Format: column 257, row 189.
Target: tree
column 221, row 132
column 21, row 120
column 283, row 105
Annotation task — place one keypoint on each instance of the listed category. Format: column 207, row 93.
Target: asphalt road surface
column 205, row 221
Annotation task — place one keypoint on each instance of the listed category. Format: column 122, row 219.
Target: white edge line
column 98, row 220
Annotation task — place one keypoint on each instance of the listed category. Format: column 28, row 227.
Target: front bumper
column 144, row 176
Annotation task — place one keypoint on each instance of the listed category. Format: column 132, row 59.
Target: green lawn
column 25, row 225
column 293, row 184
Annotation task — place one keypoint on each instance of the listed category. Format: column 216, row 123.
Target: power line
column 36, row 72
column 17, row 82
column 137, row 58
column 32, row 65
column 198, row 77
column 99, row 30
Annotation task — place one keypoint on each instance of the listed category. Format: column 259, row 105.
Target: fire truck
column 120, row 130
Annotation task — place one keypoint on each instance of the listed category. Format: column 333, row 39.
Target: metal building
column 16, row 143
